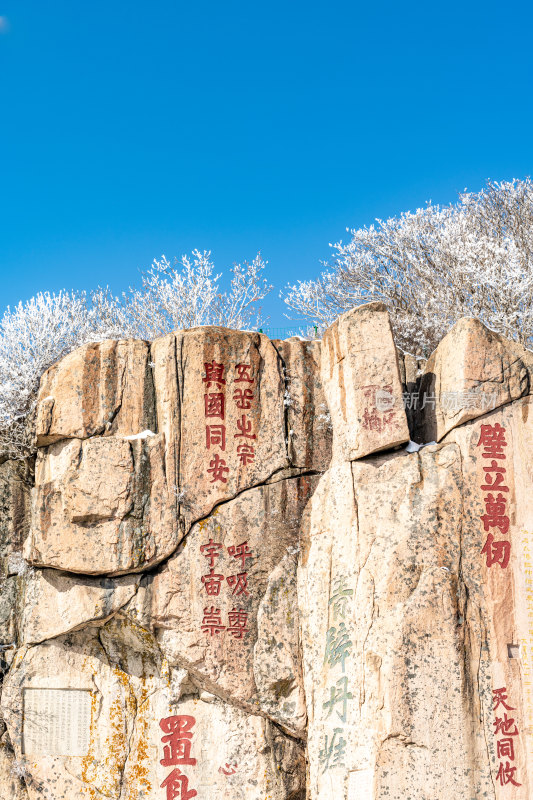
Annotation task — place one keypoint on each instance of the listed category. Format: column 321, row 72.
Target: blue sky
column 128, row 130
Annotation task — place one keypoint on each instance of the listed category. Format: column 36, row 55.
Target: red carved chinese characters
column 239, row 583
column 244, row 373
column 379, row 410
column 240, row 551
column 506, row 728
column 177, row 752
column 177, row 786
column 211, row 551
column 212, row 582
column 218, row 469
column 215, row 435
column 237, row 622
column 212, row 624
column 246, row 453
column 214, row 404
column 177, row 742
column 214, row 373
column 215, row 409
column 495, row 519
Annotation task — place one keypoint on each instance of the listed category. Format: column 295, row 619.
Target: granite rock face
column 226, row 577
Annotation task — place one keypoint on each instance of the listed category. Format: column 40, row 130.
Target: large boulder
column 361, row 378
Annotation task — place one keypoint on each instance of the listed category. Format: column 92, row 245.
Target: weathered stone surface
column 308, row 418
column 14, row 524
column 209, row 422
column 361, row 380
column 11, row 784
column 388, row 664
column 100, row 388
column 473, row 370
column 252, row 655
column 102, row 505
column 131, row 691
column 504, row 593
column 56, row 603
column 175, row 590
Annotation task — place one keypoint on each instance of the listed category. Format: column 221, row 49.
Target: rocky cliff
column 232, row 574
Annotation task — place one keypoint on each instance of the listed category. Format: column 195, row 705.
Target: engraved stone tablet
column 56, row 722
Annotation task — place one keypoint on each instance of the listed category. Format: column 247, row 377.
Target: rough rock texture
column 220, row 404
column 224, row 606
column 102, row 505
column 361, row 379
column 130, row 690
column 232, row 581
column 473, row 371
column 101, row 388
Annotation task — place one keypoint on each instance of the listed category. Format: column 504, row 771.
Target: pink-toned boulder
column 100, row 388
column 361, row 380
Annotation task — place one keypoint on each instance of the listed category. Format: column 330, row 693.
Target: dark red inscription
column 246, row 453
column 177, row 786
column 214, row 373
column 237, row 619
column 244, row 373
column 211, row 551
column 244, row 426
column 218, row 468
column 240, row 551
column 212, row 623
column 239, row 583
column 215, row 435
column 177, row 742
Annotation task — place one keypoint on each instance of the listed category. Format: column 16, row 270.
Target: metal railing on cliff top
column 304, row 330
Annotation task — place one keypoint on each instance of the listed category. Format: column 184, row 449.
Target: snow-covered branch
column 433, row 266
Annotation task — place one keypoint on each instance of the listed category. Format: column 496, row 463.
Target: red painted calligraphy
column 217, row 468
column 496, row 552
column 212, row 582
column 506, row 775
column 177, row 786
column 499, row 696
column 212, row 623
column 240, row 551
column 237, row 623
column 243, row 398
column 506, row 727
column 239, row 583
column 214, row 373
column 244, row 426
column 243, row 373
column 228, row 769
column 246, row 453
column 178, row 730
column 211, row 551
column 215, row 435
column 214, row 404
column 505, row 748
column 495, row 517
column 492, row 440
column 177, row 742
column 497, row 482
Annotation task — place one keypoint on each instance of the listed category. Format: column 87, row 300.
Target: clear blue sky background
column 128, row 129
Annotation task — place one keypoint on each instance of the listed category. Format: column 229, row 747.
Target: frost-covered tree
column 187, row 293
column 433, row 266
column 32, row 337
column 35, row 335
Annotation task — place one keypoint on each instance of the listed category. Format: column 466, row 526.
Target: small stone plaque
column 57, row 722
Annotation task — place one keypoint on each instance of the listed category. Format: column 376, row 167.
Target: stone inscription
column 56, row 722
